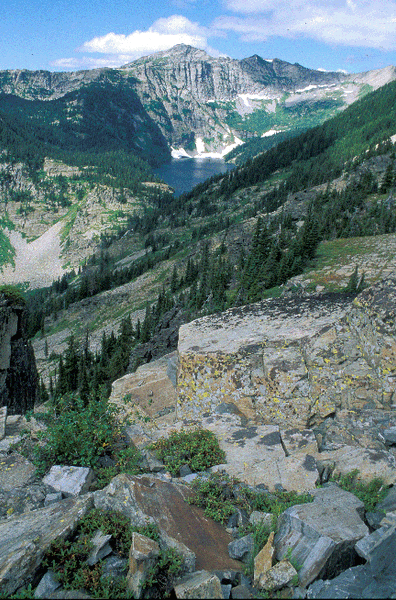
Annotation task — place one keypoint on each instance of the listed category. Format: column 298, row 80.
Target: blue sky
column 64, row 35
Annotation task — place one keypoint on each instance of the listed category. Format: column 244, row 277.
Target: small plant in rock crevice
column 68, row 558
column 220, row 495
column 198, row 448
column 370, row 493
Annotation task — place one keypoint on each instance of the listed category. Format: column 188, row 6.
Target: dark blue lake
column 184, row 173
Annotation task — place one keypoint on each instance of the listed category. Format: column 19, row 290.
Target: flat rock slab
column 255, row 455
column 141, row 498
column 369, row 462
column 25, row 538
column 71, row 481
column 15, row 471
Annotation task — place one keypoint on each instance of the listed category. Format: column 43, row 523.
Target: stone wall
column 18, row 373
column 292, row 361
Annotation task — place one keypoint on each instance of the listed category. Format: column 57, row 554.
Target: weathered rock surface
column 256, row 454
column 18, row 372
column 25, row 538
column 375, row 579
column 142, row 557
column 150, row 388
column 292, row 361
column 71, row 481
column 200, row 584
column 150, row 498
column 321, row 535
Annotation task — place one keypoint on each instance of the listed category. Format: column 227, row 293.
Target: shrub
column 80, row 434
column 369, row 493
column 198, row 448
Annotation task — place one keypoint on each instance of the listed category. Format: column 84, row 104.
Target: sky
column 70, row 35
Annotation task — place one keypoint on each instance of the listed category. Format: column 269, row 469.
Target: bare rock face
column 292, row 361
column 18, row 372
column 26, row 537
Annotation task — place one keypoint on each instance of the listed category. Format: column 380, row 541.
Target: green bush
column 199, row 449
column 220, row 495
column 80, row 434
column 369, row 493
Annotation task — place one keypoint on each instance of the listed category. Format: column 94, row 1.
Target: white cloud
column 368, row 23
column 163, row 34
column 118, row 49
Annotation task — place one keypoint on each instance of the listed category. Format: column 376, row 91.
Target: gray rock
column 185, row 470
column 51, row 498
column 114, row 566
column 3, row 417
column 25, row 538
column 48, row 584
column 240, row 592
column 142, row 557
column 320, row 536
column 367, row 546
column 153, row 464
column 374, row 519
column 258, row 518
column 331, row 493
column 71, row 481
column 390, row 436
column 200, row 584
column 388, row 504
column 226, row 590
column 15, row 471
column 101, row 547
column 242, row 548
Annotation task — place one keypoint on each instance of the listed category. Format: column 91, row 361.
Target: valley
column 214, row 342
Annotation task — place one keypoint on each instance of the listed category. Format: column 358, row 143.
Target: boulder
column 241, row 548
column 149, row 387
column 142, row 557
column 71, row 481
column 25, row 539
column 149, row 498
column 375, row 579
column 48, row 584
column 200, row 584
column 263, row 560
column 277, row 577
column 15, row 471
column 101, row 547
column 320, row 536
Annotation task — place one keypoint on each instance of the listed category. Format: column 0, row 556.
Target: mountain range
column 181, row 101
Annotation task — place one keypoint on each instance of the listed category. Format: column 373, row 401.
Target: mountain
column 182, row 100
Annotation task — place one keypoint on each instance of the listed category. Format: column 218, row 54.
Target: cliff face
column 18, row 373
column 193, row 95
column 200, row 104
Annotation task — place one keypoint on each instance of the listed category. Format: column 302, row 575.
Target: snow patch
column 246, row 97
column 270, row 132
column 200, row 150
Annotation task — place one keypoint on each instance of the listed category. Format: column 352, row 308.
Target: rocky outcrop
column 18, row 373
column 292, row 361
